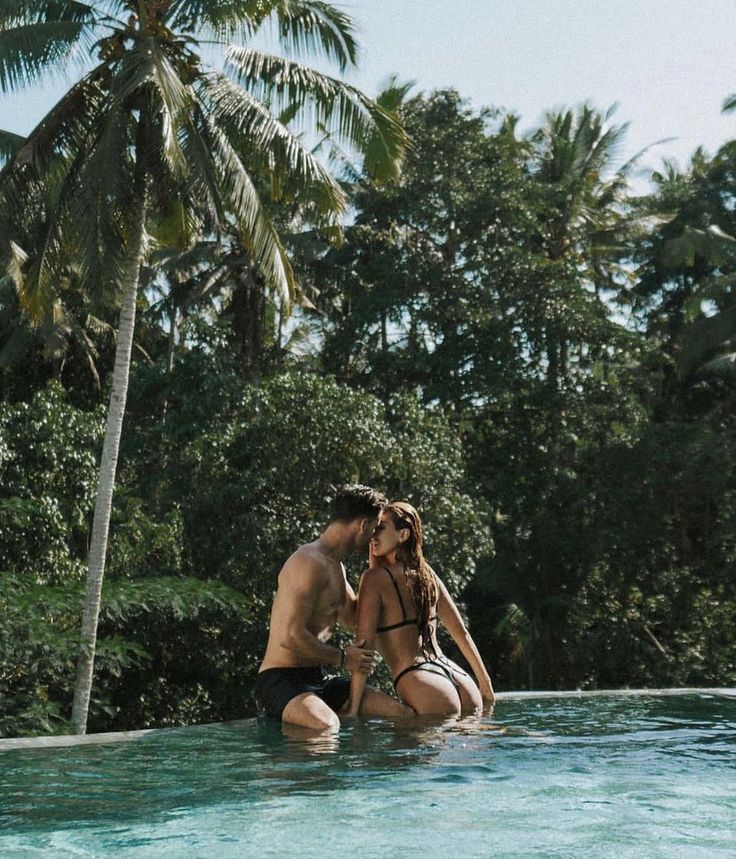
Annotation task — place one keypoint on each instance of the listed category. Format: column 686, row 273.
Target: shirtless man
column 313, row 595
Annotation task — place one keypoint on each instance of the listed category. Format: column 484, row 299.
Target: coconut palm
column 152, row 138
column 686, row 281
column 708, row 341
column 575, row 153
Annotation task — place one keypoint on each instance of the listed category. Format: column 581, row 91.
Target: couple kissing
column 400, row 601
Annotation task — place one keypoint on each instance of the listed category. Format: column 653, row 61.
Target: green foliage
column 426, row 281
column 255, row 475
column 38, row 640
column 212, row 501
column 502, row 342
column 141, row 545
column 48, row 451
column 170, row 651
column 175, row 651
column 487, row 281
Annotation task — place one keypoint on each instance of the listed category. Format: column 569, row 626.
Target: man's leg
column 375, row 703
column 311, row 712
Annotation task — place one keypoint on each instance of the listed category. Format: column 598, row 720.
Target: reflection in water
column 312, row 742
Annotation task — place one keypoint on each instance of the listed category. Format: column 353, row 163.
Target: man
column 313, row 595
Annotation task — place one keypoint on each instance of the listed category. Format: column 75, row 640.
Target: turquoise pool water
column 604, row 776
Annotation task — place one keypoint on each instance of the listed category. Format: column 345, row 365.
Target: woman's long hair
column 422, row 584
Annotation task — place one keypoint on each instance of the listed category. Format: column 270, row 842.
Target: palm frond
column 351, row 116
column 148, row 65
column 177, row 227
column 729, row 104
column 176, row 99
column 391, row 98
column 36, row 37
column 711, row 244
column 317, row 29
column 251, row 127
column 704, row 339
column 257, row 233
column 15, row 12
column 58, row 173
column 56, row 138
column 223, row 19
column 100, row 196
column 202, row 183
column 9, row 144
column 187, row 261
column 724, row 365
column 18, row 259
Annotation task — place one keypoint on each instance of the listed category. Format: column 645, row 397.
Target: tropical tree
column 151, row 140
column 685, row 262
column 580, row 229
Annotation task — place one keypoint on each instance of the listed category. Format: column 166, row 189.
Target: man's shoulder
column 307, row 559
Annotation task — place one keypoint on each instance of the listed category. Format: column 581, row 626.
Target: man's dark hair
column 355, row 501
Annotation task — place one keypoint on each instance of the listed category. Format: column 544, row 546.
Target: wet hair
column 422, row 585
column 355, row 501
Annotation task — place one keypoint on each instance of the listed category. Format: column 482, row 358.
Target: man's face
column 368, row 526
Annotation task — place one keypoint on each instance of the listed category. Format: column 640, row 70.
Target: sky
column 668, row 64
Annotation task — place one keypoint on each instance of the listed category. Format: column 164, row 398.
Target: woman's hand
column 371, row 556
column 488, row 696
column 351, row 709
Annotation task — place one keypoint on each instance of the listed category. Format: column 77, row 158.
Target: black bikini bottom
column 435, row 666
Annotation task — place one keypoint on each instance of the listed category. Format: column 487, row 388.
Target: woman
column 399, row 601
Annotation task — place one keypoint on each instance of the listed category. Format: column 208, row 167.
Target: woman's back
column 398, row 638
column 422, row 676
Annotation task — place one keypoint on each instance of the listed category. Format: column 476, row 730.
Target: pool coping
column 71, row 740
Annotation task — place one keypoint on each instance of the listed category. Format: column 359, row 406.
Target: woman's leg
column 377, row 703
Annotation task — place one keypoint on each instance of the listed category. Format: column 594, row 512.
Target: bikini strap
column 398, row 592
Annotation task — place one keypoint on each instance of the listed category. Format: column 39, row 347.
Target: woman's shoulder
column 375, row 575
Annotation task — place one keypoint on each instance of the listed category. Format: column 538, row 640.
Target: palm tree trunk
column 108, row 466
column 171, row 340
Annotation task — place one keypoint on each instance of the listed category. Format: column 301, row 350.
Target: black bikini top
column 407, row 621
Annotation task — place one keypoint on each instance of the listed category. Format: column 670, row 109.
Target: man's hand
column 359, row 658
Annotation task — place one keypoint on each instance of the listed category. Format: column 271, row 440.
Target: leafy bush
column 48, row 479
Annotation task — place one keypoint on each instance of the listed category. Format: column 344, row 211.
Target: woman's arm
column 450, row 617
column 369, row 611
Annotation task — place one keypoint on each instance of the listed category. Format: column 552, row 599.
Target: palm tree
column 575, row 152
column 151, row 135
column 686, row 277
column 708, row 341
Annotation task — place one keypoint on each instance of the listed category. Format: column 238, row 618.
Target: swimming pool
column 645, row 775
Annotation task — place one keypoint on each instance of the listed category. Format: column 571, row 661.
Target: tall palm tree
column 575, row 152
column 150, row 134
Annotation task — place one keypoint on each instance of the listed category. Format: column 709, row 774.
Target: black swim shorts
column 275, row 687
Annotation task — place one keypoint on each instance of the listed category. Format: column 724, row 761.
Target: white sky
column 668, row 63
